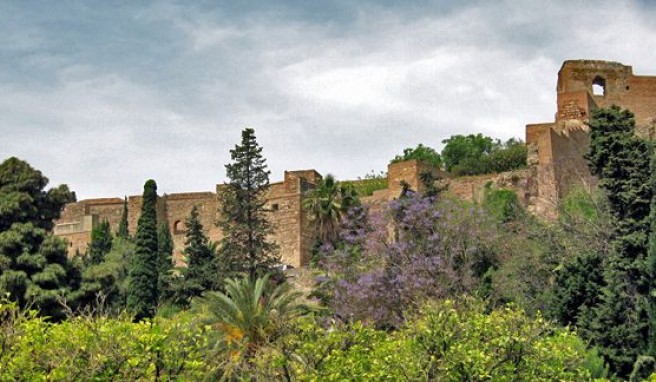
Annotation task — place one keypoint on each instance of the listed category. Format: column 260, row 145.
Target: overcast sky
column 103, row 95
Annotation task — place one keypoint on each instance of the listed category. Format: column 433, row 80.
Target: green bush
column 446, row 341
column 98, row 348
column 502, row 203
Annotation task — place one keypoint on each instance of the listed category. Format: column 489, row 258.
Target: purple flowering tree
column 418, row 249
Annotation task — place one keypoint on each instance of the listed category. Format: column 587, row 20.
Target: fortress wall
column 472, row 188
column 178, row 209
column 570, row 166
column 111, row 212
column 409, row 171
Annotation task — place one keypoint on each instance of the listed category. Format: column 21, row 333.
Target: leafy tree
column 202, row 273
column 123, row 231
column 459, row 149
column 104, row 286
column 507, row 156
column 142, row 292
column 421, row 153
column 101, row 243
column 23, row 198
column 165, row 256
column 326, row 204
column 34, row 268
column 477, row 154
column 621, row 161
column 243, row 216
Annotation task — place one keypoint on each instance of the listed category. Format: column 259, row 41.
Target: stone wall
column 472, row 188
column 292, row 231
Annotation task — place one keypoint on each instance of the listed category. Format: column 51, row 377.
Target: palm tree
column 326, row 204
column 252, row 312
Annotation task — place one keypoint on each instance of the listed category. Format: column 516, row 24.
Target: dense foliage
column 246, row 246
column 443, row 341
column 478, row 154
column 34, row 268
column 86, row 348
column 621, row 160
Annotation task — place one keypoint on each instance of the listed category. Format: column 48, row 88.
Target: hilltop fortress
column 555, row 164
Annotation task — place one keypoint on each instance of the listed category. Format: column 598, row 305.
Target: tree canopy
column 34, row 268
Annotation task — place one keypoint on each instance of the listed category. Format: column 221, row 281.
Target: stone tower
column 556, row 149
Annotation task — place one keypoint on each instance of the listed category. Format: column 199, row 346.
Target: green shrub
column 446, row 341
column 99, row 348
column 502, row 203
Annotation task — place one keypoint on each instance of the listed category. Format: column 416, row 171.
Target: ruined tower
column 556, row 149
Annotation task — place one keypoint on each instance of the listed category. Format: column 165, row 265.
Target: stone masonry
column 294, row 233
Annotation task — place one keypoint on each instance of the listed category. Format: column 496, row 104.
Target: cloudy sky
column 103, row 95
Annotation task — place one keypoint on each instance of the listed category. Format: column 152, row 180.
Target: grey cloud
column 103, row 99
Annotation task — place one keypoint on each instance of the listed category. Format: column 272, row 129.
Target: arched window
column 599, row 86
column 179, row 227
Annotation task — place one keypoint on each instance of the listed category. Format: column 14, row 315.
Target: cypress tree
column 243, row 217
column 142, row 290
column 101, row 243
column 621, row 161
column 165, row 256
column 123, row 229
column 201, row 273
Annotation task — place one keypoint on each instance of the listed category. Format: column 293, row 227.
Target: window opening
column 599, row 86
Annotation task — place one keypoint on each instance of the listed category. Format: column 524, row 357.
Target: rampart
column 294, row 232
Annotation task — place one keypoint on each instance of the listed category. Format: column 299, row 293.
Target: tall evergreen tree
column 101, row 243
column 165, row 256
column 34, row 268
column 142, row 290
column 123, row 229
column 651, row 259
column 202, row 271
column 621, row 161
column 245, row 247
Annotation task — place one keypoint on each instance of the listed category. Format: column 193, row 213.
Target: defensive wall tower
column 556, row 149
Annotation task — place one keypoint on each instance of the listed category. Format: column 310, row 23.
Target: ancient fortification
column 555, row 164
